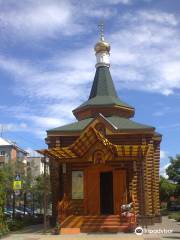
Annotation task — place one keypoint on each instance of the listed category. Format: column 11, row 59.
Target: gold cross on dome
column 101, row 30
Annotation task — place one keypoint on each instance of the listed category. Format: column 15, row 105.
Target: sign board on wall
column 77, row 185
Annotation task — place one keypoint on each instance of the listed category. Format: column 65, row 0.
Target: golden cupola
column 102, row 50
column 102, row 46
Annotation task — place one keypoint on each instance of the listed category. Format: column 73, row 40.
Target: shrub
column 164, row 212
column 15, row 225
column 18, row 224
column 3, row 225
column 30, row 220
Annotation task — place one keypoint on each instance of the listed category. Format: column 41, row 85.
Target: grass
column 171, row 214
column 174, row 215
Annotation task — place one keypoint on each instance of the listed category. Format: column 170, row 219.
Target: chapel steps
column 102, row 223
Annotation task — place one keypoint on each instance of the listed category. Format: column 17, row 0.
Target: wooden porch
column 79, row 191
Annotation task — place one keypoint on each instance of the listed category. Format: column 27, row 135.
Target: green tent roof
column 103, row 84
column 119, row 122
column 103, row 91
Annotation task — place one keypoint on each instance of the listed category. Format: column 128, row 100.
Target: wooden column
column 134, row 186
column 55, row 186
column 148, row 169
column 67, row 181
column 155, row 184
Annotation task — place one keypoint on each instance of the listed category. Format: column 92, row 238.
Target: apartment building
column 11, row 152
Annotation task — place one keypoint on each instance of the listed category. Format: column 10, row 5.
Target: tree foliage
column 173, row 171
column 35, row 187
column 40, row 185
column 167, row 189
column 3, row 225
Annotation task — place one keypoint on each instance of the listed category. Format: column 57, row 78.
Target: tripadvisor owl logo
column 138, row 231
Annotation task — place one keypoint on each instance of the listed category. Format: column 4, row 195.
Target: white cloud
column 163, row 170
column 46, row 122
column 150, row 16
column 146, row 52
column 164, row 157
column 99, row 13
column 36, row 82
column 163, row 154
column 16, row 67
column 32, row 152
column 37, row 18
column 12, row 127
column 117, row 1
column 51, row 18
column 170, row 73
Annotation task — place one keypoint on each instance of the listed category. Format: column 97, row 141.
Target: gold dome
column 102, row 46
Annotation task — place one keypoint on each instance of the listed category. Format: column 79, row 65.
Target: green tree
column 3, row 225
column 173, row 170
column 40, row 185
column 35, row 187
column 167, row 189
column 10, row 170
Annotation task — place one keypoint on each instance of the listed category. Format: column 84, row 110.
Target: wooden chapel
column 104, row 159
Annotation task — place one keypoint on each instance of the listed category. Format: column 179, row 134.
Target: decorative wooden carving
column 100, row 127
column 99, row 157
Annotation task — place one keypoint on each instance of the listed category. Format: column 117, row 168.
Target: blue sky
column 47, row 63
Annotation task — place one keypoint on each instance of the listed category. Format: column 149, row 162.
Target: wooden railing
column 64, row 209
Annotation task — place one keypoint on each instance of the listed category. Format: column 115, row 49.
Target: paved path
column 167, row 224
column 36, row 233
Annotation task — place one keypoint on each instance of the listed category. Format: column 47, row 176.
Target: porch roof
column 81, row 146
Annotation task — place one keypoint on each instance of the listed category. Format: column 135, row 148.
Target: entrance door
column 92, row 191
column 119, row 180
column 104, row 189
column 106, row 193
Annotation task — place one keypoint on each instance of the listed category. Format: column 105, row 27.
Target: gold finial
column 101, row 30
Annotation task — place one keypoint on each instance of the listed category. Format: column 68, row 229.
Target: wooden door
column 119, row 187
column 92, row 191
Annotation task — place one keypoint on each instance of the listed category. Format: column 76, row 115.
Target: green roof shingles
column 76, row 126
column 103, row 91
column 104, row 100
column 124, row 123
column 119, row 122
column 103, row 84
